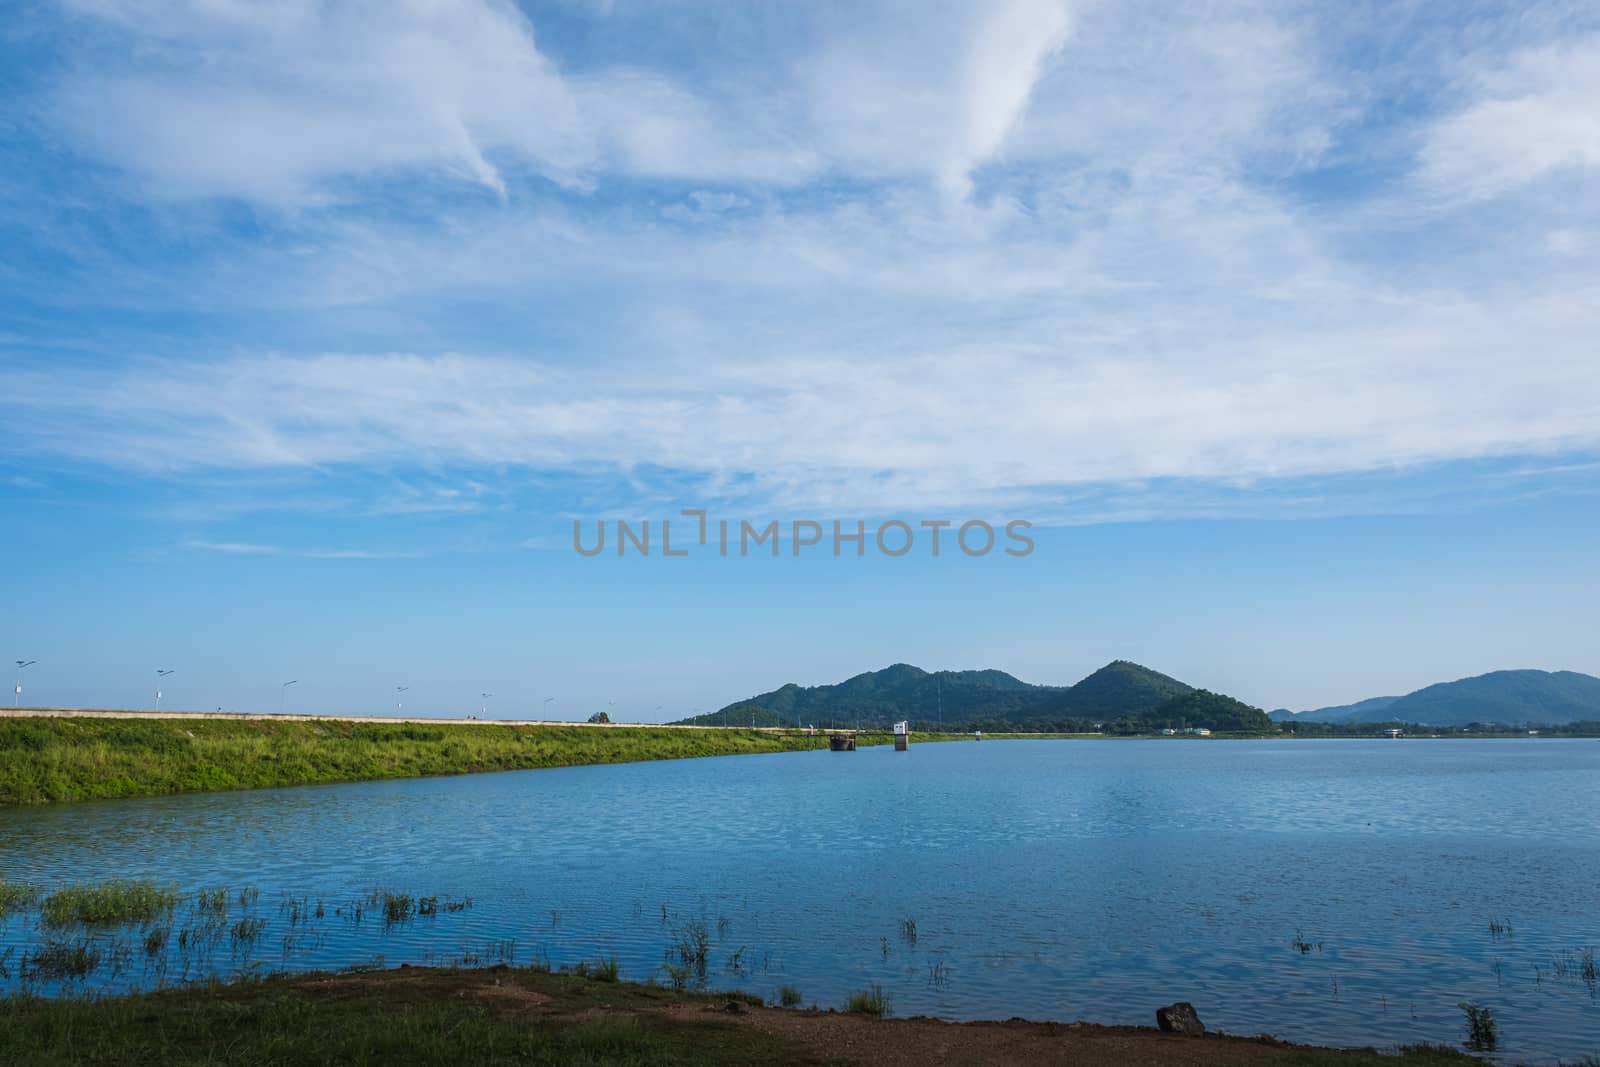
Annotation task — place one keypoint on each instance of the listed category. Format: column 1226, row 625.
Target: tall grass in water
column 687, row 955
column 870, row 1001
column 58, row 960
column 109, row 903
column 15, row 896
column 1481, row 1033
column 212, row 901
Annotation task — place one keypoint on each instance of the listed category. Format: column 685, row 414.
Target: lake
column 1340, row 892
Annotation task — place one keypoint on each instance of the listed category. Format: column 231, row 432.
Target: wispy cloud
column 1529, row 116
column 891, row 254
column 234, row 548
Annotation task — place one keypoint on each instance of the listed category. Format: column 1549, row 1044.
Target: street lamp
column 484, row 710
column 16, row 701
column 545, row 708
column 284, row 692
column 160, row 674
column 397, row 691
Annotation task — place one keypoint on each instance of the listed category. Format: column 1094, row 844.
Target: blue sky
column 320, row 323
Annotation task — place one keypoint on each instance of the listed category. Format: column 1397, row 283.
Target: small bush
column 789, row 997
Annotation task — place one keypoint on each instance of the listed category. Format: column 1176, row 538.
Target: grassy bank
column 506, row 1015
column 53, row 759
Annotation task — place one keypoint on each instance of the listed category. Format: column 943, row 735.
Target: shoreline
column 505, row 1014
column 64, row 758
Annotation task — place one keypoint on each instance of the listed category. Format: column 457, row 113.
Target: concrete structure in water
column 902, row 736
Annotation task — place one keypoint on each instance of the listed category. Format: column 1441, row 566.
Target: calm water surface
column 1326, row 891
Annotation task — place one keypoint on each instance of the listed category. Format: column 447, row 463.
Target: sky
column 322, row 323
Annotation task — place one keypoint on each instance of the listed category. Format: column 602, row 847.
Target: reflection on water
column 1332, row 891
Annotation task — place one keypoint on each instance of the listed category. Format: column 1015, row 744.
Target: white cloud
column 936, row 253
column 274, row 102
column 914, row 92
column 1530, row 117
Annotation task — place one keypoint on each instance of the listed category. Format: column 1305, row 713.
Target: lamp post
column 484, row 710
column 283, row 693
column 16, row 698
column 160, row 674
column 544, row 709
column 397, row 691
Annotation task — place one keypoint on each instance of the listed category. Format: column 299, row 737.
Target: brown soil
column 831, row 1037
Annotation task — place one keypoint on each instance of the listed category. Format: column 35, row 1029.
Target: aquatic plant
column 789, row 997
column 396, row 907
column 1498, row 929
column 243, row 933
column 938, row 974
column 15, row 896
column 908, row 930
column 212, row 901
column 870, row 1001
column 694, row 945
column 1302, row 945
column 1481, row 1032
column 107, row 903
column 58, row 960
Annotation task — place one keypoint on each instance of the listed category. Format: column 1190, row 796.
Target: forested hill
column 1549, row 698
column 1121, row 696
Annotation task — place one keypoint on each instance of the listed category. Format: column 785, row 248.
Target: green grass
column 43, row 760
column 110, row 903
column 437, row 1018
column 506, row 1015
column 871, row 1001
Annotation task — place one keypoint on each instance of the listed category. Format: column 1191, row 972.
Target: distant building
column 1168, row 732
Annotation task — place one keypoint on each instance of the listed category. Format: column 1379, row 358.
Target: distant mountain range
column 1124, row 695
column 1552, row 698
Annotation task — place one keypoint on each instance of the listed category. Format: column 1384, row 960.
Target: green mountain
column 1118, row 689
column 881, row 697
column 1121, row 697
column 1201, row 707
column 1551, row 698
column 1513, row 697
column 1373, row 709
